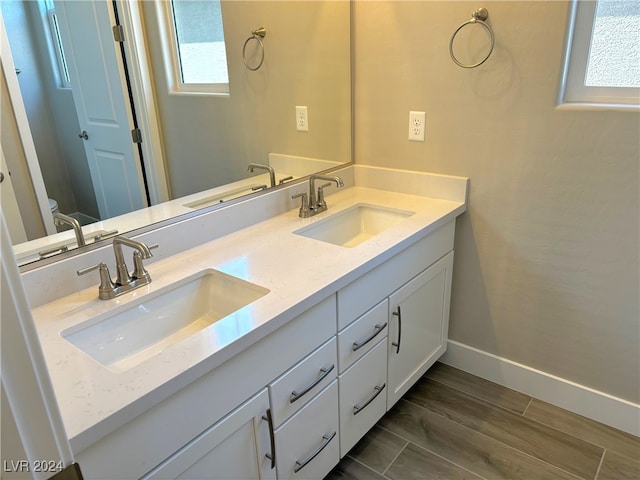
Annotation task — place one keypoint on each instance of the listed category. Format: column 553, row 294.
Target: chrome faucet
column 62, row 219
column 260, row 166
column 312, row 205
column 124, row 282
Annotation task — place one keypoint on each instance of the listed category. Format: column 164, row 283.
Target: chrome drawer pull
column 399, row 315
column 272, row 439
column 378, row 328
column 357, row 408
column 301, row 464
column 324, row 371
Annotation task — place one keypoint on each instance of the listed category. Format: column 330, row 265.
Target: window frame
column 573, row 92
column 169, row 44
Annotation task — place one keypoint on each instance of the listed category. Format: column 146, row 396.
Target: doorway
column 77, row 167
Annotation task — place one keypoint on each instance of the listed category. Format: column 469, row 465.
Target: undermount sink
column 127, row 336
column 354, row 225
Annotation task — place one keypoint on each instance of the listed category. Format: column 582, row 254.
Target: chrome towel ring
column 257, row 35
column 479, row 16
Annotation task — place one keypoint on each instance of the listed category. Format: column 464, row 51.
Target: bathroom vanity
column 338, row 326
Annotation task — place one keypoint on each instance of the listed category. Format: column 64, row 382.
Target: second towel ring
column 479, row 16
column 257, row 34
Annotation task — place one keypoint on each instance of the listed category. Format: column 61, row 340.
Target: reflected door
column 102, row 103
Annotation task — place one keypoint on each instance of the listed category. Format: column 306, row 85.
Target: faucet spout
column 313, row 203
column 122, row 274
column 61, row 219
column 260, row 166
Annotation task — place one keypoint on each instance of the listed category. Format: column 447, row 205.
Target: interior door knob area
column 84, row 135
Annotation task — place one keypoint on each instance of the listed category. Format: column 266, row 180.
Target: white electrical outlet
column 417, row 121
column 302, row 119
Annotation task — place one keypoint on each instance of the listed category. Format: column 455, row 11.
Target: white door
column 10, row 205
column 102, row 102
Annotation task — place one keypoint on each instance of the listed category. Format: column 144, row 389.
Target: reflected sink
column 224, row 196
column 129, row 335
column 354, row 225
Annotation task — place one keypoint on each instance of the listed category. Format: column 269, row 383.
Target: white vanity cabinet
column 238, row 446
column 322, row 391
column 416, row 287
column 216, row 418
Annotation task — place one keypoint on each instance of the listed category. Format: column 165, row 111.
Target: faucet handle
column 321, row 202
column 106, row 287
column 139, row 272
column 304, row 207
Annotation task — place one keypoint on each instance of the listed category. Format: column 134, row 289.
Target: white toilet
column 54, row 206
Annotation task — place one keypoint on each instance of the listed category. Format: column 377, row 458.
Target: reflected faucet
column 260, row 166
column 61, row 219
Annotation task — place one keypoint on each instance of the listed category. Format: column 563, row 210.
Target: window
column 55, row 44
column 194, row 46
column 602, row 65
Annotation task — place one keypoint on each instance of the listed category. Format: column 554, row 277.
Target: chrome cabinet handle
column 300, row 464
column 398, row 314
column 295, row 396
column 358, row 408
column 272, row 439
column 378, row 328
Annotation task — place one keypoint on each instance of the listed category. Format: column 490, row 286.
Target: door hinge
column 118, row 33
column 136, row 135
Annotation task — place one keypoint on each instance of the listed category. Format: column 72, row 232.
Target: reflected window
column 603, row 53
column 198, row 52
column 55, row 44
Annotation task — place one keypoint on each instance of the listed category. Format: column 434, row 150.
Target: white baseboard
column 585, row 401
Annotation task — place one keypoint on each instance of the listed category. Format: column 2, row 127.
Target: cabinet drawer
column 362, row 294
column 301, row 383
column 307, row 445
column 361, row 336
column 363, row 400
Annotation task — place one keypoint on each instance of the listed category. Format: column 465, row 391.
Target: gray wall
column 547, row 256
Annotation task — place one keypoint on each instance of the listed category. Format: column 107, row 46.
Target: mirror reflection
column 116, row 152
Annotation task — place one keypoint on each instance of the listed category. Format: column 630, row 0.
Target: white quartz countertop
column 298, row 272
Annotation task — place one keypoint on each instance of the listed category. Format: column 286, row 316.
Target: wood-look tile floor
column 453, row 425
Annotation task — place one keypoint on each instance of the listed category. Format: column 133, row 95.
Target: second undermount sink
column 354, row 225
column 133, row 333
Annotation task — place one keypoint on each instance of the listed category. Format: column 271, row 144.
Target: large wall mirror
column 219, row 99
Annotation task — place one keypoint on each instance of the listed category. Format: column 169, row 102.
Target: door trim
column 143, row 93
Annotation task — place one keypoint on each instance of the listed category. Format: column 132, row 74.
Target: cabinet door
column 418, row 326
column 234, row 448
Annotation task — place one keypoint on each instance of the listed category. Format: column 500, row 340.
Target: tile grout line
column 604, row 452
column 396, row 457
column 365, row 465
column 524, row 413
